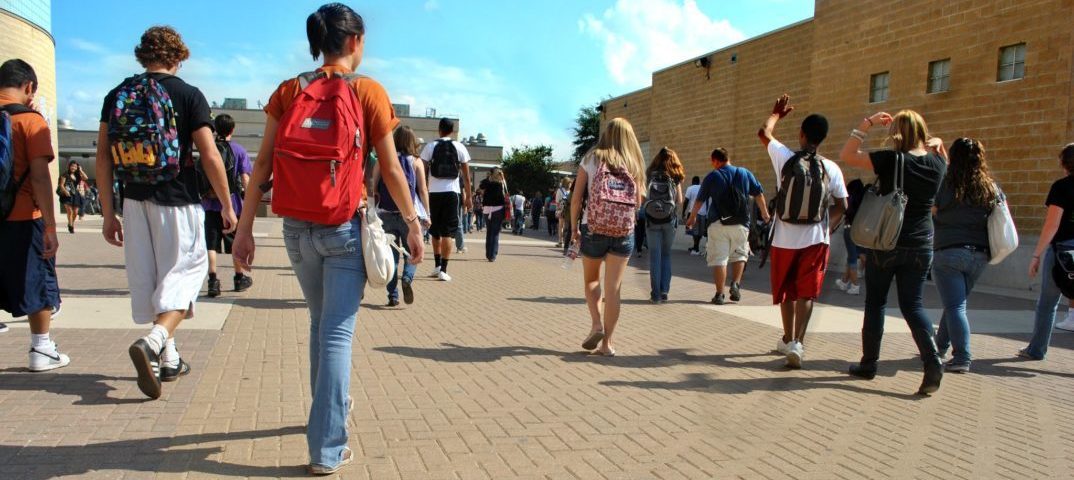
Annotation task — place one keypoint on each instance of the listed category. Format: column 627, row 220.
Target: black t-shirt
column 191, row 113
column 921, row 182
column 1062, row 196
column 493, row 193
column 958, row 223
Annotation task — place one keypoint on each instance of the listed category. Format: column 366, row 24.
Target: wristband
column 867, row 119
column 411, row 219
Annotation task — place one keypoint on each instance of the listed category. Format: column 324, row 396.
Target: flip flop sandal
column 593, row 340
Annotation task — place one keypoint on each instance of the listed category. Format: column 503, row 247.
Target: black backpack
column 1063, row 271
column 660, row 201
column 445, row 163
column 803, row 196
column 733, row 206
column 9, row 185
column 231, row 169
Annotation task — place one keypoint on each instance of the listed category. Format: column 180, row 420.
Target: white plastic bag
column 376, row 250
column 1002, row 235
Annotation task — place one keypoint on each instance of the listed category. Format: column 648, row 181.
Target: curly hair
column 968, row 174
column 161, row 45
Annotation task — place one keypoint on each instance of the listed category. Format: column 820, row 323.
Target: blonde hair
column 496, row 175
column 618, row 147
column 908, row 131
column 565, row 182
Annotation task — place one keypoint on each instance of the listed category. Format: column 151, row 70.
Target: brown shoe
column 593, row 340
column 348, row 457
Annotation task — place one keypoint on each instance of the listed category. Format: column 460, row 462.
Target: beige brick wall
column 19, row 39
column 825, row 64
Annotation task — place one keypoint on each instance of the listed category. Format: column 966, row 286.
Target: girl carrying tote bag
column 879, row 219
column 1002, row 235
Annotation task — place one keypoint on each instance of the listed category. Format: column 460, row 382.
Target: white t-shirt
column 561, row 193
column 792, row 236
column 691, row 196
column 519, row 201
column 438, row 185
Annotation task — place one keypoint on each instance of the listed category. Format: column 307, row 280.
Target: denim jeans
column 660, row 237
column 468, row 222
column 395, row 225
column 327, row 260
column 1046, row 305
column 519, row 222
column 907, row 268
column 492, row 234
column 955, row 271
column 479, row 220
column 458, row 233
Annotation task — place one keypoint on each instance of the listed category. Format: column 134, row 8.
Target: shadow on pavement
column 706, row 383
column 89, row 386
column 155, row 455
column 579, row 300
column 270, row 303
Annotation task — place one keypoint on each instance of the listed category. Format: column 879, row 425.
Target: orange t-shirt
column 32, row 139
column 377, row 108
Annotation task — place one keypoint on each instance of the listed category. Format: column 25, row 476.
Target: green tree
column 529, row 169
column 586, row 131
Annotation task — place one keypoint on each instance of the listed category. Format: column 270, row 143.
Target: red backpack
column 613, row 203
column 318, row 160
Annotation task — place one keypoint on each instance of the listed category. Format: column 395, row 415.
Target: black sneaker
column 393, row 302
column 243, row 282
column 168, row 374
column 408, row 292
column 3, row 327
column 736, row 294
column 147, row 364
column 718, row 299
column 214, row 287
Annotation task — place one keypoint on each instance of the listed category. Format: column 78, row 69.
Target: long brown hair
column 968, row 175
column 908, row 131
column 667, row 161
column 406, row 143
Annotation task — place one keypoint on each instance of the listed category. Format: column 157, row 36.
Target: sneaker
column 1067, row 324
column 664, row 298
column 408, row 292
column 956, row 367
column 736, row 293
column 147, row 364
column 393, row 302
column 4, row 327
column 348, row 457
column 841, row 285
column 44, row 360
column 214, row 287
column 795, row 353
column 436, row 273
column 1024, row 353
column 783, row 348
column 854, row 290
column 168, row 374
column 243, row 282
column 694, row 253
column 718, row 299
column 443, row 276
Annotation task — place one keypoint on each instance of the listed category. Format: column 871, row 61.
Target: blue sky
column 515, row 71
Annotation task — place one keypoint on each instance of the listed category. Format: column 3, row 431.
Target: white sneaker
column 436, row 273
column 694, row 253
column 794, row 355
column 46, row 359
column 1067, row 324
column 783, row 348
column 443, row 276
column 854, row 290
column 841, row 285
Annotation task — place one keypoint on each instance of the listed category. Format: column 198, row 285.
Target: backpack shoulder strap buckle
column 306, row 78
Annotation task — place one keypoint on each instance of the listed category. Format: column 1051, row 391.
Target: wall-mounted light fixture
column 706, row 63
column 734, row 58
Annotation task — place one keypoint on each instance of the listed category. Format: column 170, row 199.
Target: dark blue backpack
column 9, row 186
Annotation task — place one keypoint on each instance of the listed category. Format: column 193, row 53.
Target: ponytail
column 329, row 27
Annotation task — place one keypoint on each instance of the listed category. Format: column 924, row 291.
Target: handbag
column 1002, row 235
column 376, row 250
column 879, row 219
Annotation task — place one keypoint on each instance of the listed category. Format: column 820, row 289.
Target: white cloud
column 641, row 36
column 431, row 5
column 87, row 46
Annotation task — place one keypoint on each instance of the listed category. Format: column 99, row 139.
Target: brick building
column 26, row 33
column 994, row 70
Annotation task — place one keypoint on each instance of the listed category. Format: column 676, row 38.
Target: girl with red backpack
column 320, row 127
column 607, row 183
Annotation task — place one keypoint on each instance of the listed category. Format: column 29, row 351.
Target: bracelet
column 867, row 119
column 858, row 134
column 412, row 218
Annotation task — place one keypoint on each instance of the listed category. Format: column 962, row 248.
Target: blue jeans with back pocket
column 955, row 271
column 328, row 263
column 1047, row 303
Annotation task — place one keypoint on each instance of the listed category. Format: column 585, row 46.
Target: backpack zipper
column 332, row 170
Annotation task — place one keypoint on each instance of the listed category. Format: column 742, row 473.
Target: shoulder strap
column 900, row 171
column 306, row 78
column 16, row 109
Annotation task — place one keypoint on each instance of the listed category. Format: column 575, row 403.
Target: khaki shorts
column 727, row 244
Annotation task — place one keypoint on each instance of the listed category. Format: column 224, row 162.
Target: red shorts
column 797, row 274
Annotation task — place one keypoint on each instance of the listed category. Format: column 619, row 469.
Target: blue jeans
column 907, row 268
column 394, row 225
column 852, row 248
column 519, row 222
column 327, row 260
column 479, row 220
column 660, row 237
column 955, row 271
column 1046, row 305
column 468, row 222
column 492, row 234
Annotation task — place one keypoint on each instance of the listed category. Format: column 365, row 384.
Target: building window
column 1012, row 63
column 878, row 87
column 939, row 76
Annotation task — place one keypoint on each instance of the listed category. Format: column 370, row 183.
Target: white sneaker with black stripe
column 45, row 359
column 147, row 364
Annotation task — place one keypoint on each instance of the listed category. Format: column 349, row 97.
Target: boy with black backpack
column 28, row 284
column 150, row 125
column 449, row 180
column 238, row 166
column 810, row 202
column 728, row 189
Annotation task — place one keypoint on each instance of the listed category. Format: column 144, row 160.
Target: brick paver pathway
column 483, row 379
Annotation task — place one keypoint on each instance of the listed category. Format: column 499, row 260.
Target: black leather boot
column 933, row 367
column 870, row 353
